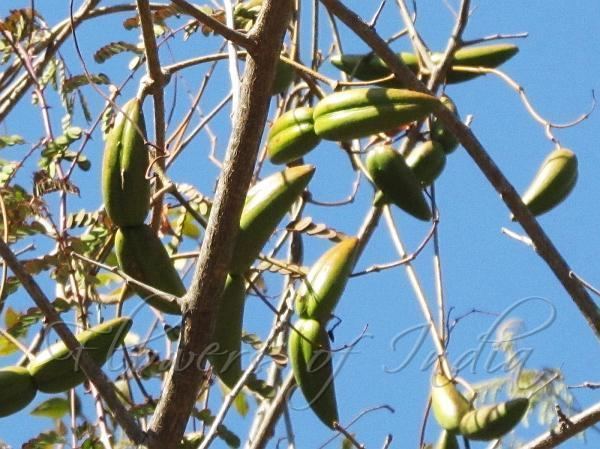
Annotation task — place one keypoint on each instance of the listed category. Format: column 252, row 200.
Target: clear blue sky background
column 559, row 66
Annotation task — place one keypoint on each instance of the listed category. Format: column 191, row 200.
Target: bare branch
column 558, row 435
column 157, row 82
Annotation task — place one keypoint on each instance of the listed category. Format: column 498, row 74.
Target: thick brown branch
column 543, row 245
column 89, row 366
column 200, row 305
column 558, row 435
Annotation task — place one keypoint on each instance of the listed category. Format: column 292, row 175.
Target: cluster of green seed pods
column 455, row 414
column 126, row 194
column 56, row 369
column 310, row 353
column 358, row 113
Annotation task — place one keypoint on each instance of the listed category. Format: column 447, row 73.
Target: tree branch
column 200, row 303
column 157, row 83
column 237, row 38
column 558, row 435
column 544, row 246
column 102, row 383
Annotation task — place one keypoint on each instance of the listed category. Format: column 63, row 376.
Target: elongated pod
column 427, row 161
column 493, row 421
column 141, row 255
column 397, row 182
column 368, row 67
column 448, row 404
column 266, row 204
column 553, row 182
column 447, row 440
column 487, row 56
column 125, row 189
column 57, row 369
column 326, row 280
column 284, row 75
column 292, row 136
column 310, row 357
column 356, row 113
column 17, row 389
column 225, row 355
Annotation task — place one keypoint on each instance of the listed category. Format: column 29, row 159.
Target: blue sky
column 559, row 67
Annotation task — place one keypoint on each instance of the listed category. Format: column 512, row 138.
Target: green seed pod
column 326, row 280
column 125, row 189
column 396, row 180
column 493, row 421
column 357, row 113
column 141, row 255
column 447, row 440
column 17, row 389
column 553, row 182
column 488, row 56
column 448, row 404
column 427, row 161
column 292, row 136
column 56, row 369
column 310, row 357
column 284, row 75
column 369, row 67
column 441, row 134
column 227, row 336
column 266, row 204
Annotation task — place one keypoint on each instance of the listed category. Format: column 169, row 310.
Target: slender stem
column 417, row 288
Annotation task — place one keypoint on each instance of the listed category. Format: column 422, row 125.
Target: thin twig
column 156, row 86
column 130, row 280
column 518, row 237
column 237, row 38
column 349, row 436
